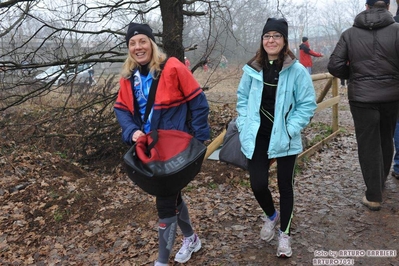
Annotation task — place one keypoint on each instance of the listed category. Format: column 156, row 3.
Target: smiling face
column 273, row 46
column 140, row 49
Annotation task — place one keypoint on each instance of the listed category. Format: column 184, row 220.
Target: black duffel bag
column 164, row 161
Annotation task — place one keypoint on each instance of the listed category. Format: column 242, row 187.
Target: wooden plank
column 308, row 152
column 324, row 91
column 327, row 103
column 318, row 145
column 335, row 125
column 215, row 144
column 321, row 76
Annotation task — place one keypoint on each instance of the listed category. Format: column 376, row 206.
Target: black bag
column 164, row 161
column 231, row 149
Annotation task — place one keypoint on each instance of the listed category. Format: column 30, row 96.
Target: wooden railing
column 331, row 84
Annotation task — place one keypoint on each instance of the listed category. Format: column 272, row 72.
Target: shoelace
column 284, row 241
column 186, row 243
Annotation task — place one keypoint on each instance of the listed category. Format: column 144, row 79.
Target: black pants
column 375, row 126
column 259, row 177
column 167, row 205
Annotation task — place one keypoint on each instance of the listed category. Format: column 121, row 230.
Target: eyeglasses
column 274, row 36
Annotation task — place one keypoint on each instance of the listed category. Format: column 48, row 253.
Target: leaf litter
column 55, row 212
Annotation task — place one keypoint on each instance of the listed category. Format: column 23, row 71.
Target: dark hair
column 262, row 58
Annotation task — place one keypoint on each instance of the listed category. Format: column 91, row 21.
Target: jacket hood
column 374, row 18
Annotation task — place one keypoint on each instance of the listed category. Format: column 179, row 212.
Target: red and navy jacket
column 304, row 54
column 178, row 95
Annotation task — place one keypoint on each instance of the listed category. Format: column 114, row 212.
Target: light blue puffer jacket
column 295, row 106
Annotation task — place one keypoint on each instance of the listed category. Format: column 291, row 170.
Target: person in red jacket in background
column 304, row 54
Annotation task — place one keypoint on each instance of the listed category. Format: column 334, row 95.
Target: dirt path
column 54, row 212
column 329, row 218
column 335, row 219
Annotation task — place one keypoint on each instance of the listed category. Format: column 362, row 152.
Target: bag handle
column 151, row 99
column 154, row 136
column 150, row 102
column 151, row 95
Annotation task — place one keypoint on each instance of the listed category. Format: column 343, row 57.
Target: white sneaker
column 189, row 246
column 284, row 245
column 267, row 232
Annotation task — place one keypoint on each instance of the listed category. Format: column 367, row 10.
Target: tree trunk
column 172, row 35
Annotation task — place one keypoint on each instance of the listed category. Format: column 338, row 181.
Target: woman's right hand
column 137, row 135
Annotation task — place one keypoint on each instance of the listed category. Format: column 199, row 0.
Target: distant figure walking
column 187, row 62
column 205, row 67
column 92, row 81
column 343, row 83
column 395, row 172
column 396, row 18
column 223, row 62
column 305, row 54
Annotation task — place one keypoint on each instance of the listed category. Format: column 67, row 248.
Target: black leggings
column 259, row 176
column 167, row 205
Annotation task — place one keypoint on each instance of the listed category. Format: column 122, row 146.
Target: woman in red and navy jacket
column 177, row 90
column 179, row 104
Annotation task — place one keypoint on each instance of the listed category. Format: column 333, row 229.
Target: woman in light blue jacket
column 276, row 100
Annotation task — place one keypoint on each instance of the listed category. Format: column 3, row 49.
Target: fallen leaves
column 57, row 212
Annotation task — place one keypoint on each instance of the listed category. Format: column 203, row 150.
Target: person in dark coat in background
column 395, row 172
column 305, row 54
column 371, row 48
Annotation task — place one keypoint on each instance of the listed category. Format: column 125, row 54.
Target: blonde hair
column 158, row 57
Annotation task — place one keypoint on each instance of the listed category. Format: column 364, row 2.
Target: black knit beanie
column 304, row 39
column 275, row 24
column 137, row 28
column 372, row 2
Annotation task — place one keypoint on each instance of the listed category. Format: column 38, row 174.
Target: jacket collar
column 288, row 61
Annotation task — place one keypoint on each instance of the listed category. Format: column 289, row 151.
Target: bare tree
column 65, row 34
column 334, row 25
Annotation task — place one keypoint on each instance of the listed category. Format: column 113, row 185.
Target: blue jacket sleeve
column 128, row 124
column 242, row 100
column 199, row 109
